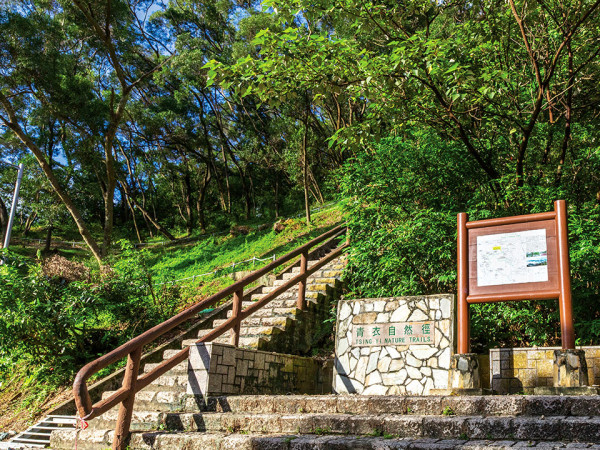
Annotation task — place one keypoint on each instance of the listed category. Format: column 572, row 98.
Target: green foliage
column 402, row 198
column 60, row 322
column 402, row 201
column 448, row 411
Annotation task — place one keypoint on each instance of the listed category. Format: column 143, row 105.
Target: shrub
column 61, row 315
column 402, row 198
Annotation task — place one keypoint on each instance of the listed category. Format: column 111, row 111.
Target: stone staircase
column 280, row 326
column 168, row 419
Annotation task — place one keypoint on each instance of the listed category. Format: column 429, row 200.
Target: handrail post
column 300, row 304
column 126, row 408
column 238, row 297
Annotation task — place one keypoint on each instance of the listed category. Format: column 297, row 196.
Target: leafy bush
column 402, row 198
column 61, row 321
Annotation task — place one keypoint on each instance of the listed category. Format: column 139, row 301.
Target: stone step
column 488, row 406
column 309, row 294
column 314, row 278
column 274, row 321
column 93, row 440
column 327, row 280
column 288, row 276
column 285, row 295
column 182, row 367
column 169, row 382
column 246, row 342
column 167, row 401
column 272, row 312
column 324, row 272
column 255, row 321
column 556, row 428
column 167, row 354
column 276, row 284
column 331, row 273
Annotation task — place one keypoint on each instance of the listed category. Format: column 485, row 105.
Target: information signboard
column 514, row 258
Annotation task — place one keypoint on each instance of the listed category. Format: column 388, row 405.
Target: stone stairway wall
column 221, row 369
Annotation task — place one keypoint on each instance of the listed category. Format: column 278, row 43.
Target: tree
column 78, row 63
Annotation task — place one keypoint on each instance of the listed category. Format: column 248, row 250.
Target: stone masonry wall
column 514, row 370
column 394, row 346
column 220, row 369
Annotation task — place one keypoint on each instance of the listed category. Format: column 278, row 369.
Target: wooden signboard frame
column 557, row 284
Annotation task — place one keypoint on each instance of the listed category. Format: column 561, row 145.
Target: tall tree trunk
column 276, row 197
column 186, row 187
column 29, row 222
column 135, row 225
column 226, row 179
column 201, row 199
column 568, row 112
column 319, row 194
column 13, row 124
column 48, row 238
column 305, row 168
column 111, row 177
column 158, row 226
column 245, row 189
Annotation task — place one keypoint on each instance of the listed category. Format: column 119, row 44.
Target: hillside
column 30, row 387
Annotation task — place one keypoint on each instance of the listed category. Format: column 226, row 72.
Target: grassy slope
column 24, row 400
column 221, row 251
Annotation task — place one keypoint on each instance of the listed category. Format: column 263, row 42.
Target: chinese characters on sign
column 404, row 333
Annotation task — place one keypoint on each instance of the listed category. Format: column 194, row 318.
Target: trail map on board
column 511, row 258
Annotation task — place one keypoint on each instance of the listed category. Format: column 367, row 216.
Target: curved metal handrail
column 133, row 348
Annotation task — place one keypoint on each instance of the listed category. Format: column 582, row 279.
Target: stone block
column 536, row 405
column 504, row 405
column 464, row 405
column 586, row 429
column 424, row 405
column 544, row 368
column 537, row 428
column 488, row 427
column 403, row 426
column 586, row 406
column 528, row 377
column 464, row 371
column 519, row 360
column 570, row 368
column 444, row 427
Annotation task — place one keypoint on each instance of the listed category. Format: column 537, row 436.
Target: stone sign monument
column 399, row 345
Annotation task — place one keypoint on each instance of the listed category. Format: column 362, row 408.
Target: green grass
column 220, row 252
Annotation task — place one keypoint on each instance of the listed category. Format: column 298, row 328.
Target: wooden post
column 300, row 304
column 126, row 408
column 462, row 281
column 564, row 277
column 238, row 297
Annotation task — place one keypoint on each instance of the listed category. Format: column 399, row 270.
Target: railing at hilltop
column 133, row 382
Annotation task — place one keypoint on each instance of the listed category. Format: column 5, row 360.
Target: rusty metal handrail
column 133, row 348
